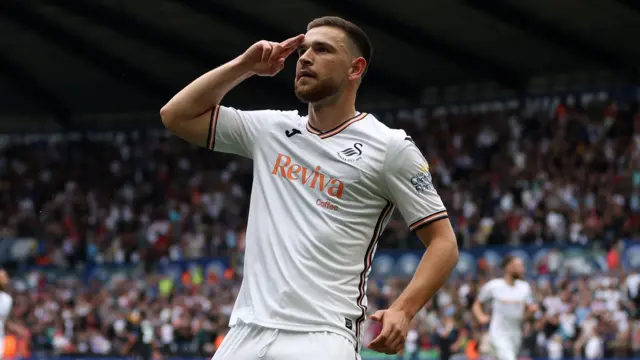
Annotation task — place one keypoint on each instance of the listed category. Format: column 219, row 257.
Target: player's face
column 4, row 279
column 516, row 269
column 323, row 66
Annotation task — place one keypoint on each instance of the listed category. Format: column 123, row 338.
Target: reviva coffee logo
column 314, row 179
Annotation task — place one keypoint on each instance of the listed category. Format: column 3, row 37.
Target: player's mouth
column 305, row 74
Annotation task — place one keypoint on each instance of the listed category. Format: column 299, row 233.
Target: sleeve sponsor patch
column 422, row 180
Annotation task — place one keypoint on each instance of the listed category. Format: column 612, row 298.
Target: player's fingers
column 276, row 52
column 289, row 46
column 288, row 50
column 377, row 343
column 285, row 53
column 392, row 338
column 293, row 42
column 381, row 339
column 276, row 67
column 266, row 52
column 378, row 315
column 395, row 343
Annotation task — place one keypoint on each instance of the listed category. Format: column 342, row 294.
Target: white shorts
column 252, row 342
column 503, row 349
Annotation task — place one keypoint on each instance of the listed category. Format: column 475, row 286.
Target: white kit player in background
column 324, row 187
column 6, row 302
column 511, row 303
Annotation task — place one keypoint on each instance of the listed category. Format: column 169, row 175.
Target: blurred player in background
column 511, row 303
column 6, row 303
column 324, row 188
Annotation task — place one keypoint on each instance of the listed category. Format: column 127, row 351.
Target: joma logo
column 314, row 179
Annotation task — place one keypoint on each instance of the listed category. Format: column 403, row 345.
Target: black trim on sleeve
column 428, row 220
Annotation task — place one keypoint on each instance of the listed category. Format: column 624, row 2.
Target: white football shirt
column 508, row 307
column 320, row 200
column 6, row 302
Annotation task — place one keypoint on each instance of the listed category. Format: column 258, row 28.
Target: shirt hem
column 306, row 328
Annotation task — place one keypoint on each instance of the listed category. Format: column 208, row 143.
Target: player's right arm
column 485, row 294
column 190, row 113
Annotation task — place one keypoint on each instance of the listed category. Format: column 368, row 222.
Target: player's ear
column 358, row 67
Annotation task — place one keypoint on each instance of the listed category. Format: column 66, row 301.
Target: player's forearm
column 434, row 269
column 205, row 92
column 477, row 310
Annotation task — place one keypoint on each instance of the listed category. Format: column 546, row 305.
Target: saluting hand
column 266, row 58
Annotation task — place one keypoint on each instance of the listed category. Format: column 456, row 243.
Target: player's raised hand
column 395, row 326
column 266, row 58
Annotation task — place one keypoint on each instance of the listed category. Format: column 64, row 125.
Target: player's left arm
column 410, row 187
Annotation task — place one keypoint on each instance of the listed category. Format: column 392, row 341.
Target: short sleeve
column 236, row 131
column 408, row 180
column 486, row 293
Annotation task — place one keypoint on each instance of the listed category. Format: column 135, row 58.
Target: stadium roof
column 68, row 60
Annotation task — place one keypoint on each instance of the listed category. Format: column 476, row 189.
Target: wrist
column 402, row 307
column 242, row 66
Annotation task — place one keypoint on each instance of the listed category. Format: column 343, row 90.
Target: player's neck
column 327, row 116
column 509, row 280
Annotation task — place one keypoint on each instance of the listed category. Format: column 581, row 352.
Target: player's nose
column 305, row 59
column 305, row 62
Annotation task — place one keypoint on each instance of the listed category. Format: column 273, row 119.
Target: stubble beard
column 316, row 92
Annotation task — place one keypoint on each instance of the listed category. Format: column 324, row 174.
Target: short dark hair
column 354, row 33
column 507, row 260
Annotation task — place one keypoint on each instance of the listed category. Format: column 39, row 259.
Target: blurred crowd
column 542, row 174
column 552, row 174
column 580, row 317
column 535, row 175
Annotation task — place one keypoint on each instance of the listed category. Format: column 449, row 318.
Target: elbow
column 168, row 116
